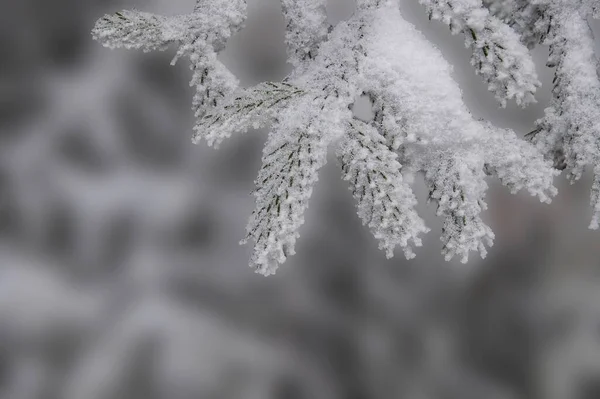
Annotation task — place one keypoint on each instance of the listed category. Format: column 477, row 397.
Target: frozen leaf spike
column 285, row 182
column 385, row 201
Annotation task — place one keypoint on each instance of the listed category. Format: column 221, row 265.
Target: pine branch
column 421, row 122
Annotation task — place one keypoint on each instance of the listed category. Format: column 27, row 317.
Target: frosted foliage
column 569, row 133
column 456, row 180
column 292, row 157
column 525, row 17
column 252, row 108
column 518, row 165
column 306, row 28
column 385, row 201
column 456, row 183
column 199, row 36
column 498, row 55
column 421, row 123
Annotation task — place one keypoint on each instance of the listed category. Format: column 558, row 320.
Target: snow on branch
column 421, row 123
column 441, row 137
column 498, row 55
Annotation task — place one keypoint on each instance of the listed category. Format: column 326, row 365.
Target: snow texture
column 421, row 123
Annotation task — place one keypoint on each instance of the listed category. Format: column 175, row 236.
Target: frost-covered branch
column 306, row 28
column 199, row 35
column 498, row 55
column 140, row 30
column 439, row 136
column 420, row 123
column 385, row 201
column 569, row 133
column 251, row 108
column 518, row 164
column 292, row 157
column 456, row 183
column 526, row 17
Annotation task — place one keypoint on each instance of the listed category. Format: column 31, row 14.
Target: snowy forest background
column 121, row 277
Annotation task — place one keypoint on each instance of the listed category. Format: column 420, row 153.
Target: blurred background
column 121, row 276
